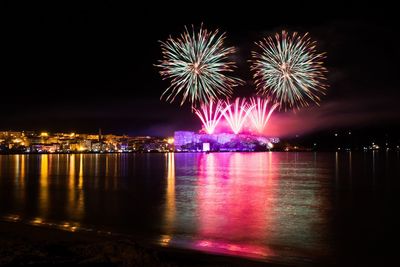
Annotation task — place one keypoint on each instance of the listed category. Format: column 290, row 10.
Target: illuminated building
column 191, row 141
column 72, row 142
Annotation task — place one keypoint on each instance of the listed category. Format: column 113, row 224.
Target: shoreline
column 197, row 152
column 22, row 244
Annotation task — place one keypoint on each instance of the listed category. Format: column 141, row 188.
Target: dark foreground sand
column 22, row 244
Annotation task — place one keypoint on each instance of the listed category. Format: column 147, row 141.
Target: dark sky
column 79, row 68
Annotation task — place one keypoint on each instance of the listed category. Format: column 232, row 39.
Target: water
column 282, row 207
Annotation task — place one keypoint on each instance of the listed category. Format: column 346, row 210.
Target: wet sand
column 22, row 244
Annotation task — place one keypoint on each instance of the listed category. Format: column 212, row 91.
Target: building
column 196, row 142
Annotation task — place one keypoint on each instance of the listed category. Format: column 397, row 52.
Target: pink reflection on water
column 234, row 208
column 220, row 247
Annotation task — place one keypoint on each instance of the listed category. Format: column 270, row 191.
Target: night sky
column 80, row 68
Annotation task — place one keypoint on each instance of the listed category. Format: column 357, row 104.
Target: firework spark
column 210, row 115
column 261, row 113
column 197, row 63
column 289, row 70
column 236, row 114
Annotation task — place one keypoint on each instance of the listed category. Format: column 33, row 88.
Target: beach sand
column 22, row 244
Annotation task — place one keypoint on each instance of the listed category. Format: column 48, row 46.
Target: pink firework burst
column 261, row 113
column 236, row 114
column 210, row 115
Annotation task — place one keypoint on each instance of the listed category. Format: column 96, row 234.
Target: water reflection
column 232, row 207
column 75, row 203
column 80, row 182
column 170, row 200
column 260, row 205
column 44, row 186
column 245, row 204
column 170, row 208
column 19, row 178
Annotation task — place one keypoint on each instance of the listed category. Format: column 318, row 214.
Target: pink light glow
column 210, row 116
column 228, row 219
column 236, row 114
column 235, row 249
column 260, row 114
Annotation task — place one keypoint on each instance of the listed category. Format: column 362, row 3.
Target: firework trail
column 261, row 113
column 236, row 114
column 289, row 70
column 210, row 115
column 196, row 63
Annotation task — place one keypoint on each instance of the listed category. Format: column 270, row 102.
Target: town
column 46, row 142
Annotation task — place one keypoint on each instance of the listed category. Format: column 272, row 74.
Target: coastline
column 188, row 152
column 22, row 244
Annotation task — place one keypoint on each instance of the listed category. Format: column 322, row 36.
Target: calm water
column 283, row 207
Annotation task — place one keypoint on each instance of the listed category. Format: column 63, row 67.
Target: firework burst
column 197, row 64
column 236, row 114
column 261, row 113
column 210, row 115
column 289, row 70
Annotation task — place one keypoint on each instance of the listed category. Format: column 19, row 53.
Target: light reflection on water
column 245, row 204
column 278, row 206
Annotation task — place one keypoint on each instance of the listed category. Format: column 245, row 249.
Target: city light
column 46, row 142
column 237, row 133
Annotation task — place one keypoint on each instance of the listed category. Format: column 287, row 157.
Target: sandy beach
column 22, row 244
